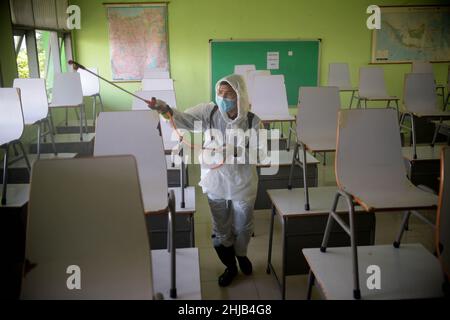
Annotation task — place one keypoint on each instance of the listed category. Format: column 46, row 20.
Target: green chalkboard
column 298, row 61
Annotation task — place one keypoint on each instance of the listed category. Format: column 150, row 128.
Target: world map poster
column 138, row 40
column 412, row 33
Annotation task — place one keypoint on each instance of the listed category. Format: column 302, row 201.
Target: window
column 41, row 53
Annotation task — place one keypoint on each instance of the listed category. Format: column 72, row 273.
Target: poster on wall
column 411, row 33
column 138, row 39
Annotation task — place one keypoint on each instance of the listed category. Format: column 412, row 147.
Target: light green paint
column 341, row 25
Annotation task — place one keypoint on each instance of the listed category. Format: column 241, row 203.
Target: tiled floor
column 261, row 285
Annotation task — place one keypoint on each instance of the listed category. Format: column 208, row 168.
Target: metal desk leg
column 305, row 183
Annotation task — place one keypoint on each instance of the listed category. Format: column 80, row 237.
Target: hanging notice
column 273, row 60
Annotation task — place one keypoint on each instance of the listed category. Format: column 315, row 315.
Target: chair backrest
column 420, row 92
column 87, row 213
column 11, row 116
column 269, row 96
column 369, row 150
column 421, row 67
column 34, row 99
column 156, row 74
column 67, row 90
column 250, row 79
column 136, row 133
column 157, row 84
column 371, row 82
column 317, row 113
column 169, row 97
column 339, row 75
column 90, row 84
column 443, row 214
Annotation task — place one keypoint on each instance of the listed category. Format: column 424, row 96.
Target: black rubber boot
column 226, row 255
column 245, row 264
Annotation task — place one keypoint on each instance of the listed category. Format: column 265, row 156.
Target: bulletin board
column 298, row 60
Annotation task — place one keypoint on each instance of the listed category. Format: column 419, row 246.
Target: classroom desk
column 304, row 229
column 425, row 170
column 280, row 180
column 410, row 272
column 185, row 232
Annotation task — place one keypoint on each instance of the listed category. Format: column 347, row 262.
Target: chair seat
column 188, row 273
column 410, row 272
column 387, row 197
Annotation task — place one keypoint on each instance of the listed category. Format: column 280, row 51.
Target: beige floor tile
column 242, row 288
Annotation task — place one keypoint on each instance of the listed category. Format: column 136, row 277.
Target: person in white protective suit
column 231, row 188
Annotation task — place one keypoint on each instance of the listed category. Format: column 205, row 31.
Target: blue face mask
column 225, row 105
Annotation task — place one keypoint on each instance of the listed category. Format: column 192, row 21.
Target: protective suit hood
column 237, row 82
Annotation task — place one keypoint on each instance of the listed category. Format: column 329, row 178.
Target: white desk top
column 423, row 152
column 17, row 195
column 291, row 203
column 410, row 272
column 189, row 199
column 285, row 159
column 187, row 273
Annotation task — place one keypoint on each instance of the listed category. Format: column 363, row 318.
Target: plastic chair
column 94, row 225
column 427, row 67
column 339, row 76
column 67, row 93
column 140, row 137
column 243, row 70
column 91, row 88
column 316, row 126
column 250, row 79
column 373, row 88
column 370, row 173
column 398, row 266
column 420, row 101
column 270, row 102
column 169, row 97
column 11, row 130
column 35, row 108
